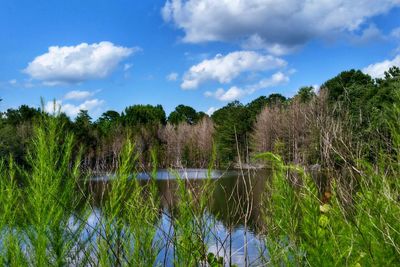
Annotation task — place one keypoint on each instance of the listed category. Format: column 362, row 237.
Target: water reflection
column 234, row 212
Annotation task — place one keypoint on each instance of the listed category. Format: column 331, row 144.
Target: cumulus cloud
column 78, row 95
column 235, row 93
column 92, row 105
column 73, row 64
column 377, row 70
column 225, row 68
column 276, row 79
column 232, row 93
column 371, row 33
column 255, row 42
column 277, row 25
column 173, row 76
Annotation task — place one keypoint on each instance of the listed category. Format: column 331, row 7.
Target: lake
column 234, row 212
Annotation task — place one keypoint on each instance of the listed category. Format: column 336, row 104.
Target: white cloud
column 280, row 25
column 53, row 106
column 235, row 93
column 276, row 79
column 371, row 33
column 232, row 93
column 92, row 105
column 377, row 70
column 316, row 88
column 173, row 76
column 255, row 42
column 73, row 64
column 211, row 110
column 78, row 95
column 225, row 68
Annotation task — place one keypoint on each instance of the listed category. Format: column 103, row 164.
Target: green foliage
column 44, row 223
column 130, row 215
column 183, row 113
column 302, row 230
column 276, row 99
column 258, row 104
column 255, row 106
column 144, row 115
column 84, row 132
column 10, row 196
column 16, row 130
column 23, row 114
column 356, row 101
column 305, row 94
column 191, row 227
column 108, row 121
column 11, row 143
column 340, row 86
column 359, row 102
column 214, row 261
column 51, row 182
column 232, row 127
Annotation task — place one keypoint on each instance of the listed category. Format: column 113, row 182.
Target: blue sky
column 101, row 55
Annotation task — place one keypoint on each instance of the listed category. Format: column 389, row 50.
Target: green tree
column 183, row 113
column 232, row 127
column 359, row 102
column 255, row 106
column 145, row 121
column 84, row 131
column 108, row 120
column 16, row 129
column 23, row 114
column 144, row 115
column 343, row 84
column 276, row 99
column 305, row 94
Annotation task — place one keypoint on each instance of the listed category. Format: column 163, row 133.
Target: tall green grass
column 304, row 230
column 11, row 252
column 47, row 217
column 129, row 219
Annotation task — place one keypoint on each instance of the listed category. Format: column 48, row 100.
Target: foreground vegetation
column 344, row 210
column 50, row 220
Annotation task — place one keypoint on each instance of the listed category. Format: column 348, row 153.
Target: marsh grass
column 304, row 229
column 129, row 216
column 47, row 218
column 191, row 224
column 11, row 252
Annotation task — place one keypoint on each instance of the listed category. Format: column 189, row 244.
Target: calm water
column 235, row 210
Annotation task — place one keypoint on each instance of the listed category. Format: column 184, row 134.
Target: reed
column 304, row 228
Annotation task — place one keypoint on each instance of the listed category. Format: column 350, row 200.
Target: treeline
column 184, row 138
column 345, row 119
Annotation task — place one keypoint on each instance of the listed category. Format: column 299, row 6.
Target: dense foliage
column 300, row 128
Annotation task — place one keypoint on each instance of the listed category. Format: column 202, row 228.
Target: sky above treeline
column 99, row 55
